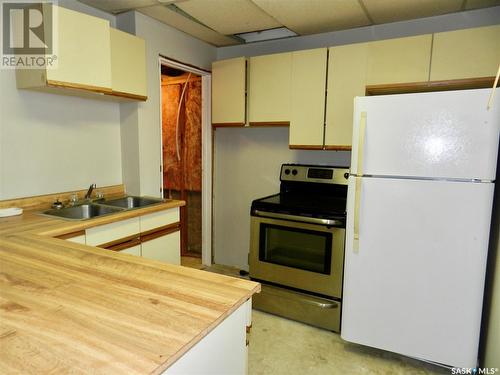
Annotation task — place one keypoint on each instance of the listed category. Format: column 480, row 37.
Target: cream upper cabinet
column 92, row 59
column 346, row 80
column 400, row 60
column 128, row 65
column 468, row 53
column 307, row 106
column 228, row 91
column 83, row 52
column 269, row 88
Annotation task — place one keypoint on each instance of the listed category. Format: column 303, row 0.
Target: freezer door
column 414, row 285
column 446, row 134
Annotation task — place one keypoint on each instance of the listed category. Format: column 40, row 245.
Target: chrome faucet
column 89, row 192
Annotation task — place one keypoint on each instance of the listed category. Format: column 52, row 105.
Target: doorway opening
column 183, row 117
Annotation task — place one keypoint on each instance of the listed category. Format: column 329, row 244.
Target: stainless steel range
column 297, row 245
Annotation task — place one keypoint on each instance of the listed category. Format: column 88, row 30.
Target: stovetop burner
column 306, row 190
column 303, row 205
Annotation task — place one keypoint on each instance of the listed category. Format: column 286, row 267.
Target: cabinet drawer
column 159, row 219
column 114, row 231
column 78, row 239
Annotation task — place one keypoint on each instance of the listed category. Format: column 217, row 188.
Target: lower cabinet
column 134, row 250
column 160, row 236
column 153, row 236
column 165, row 248
column 222, row 351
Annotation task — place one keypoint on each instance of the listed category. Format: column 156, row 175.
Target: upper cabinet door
column 468, row 53
column 128, row 65
column 399, row 60
column 83, row 51
column 346, row 80
column 308, row 98
column 228, row 91
column 269, row 89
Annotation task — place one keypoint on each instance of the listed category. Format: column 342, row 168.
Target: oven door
column 300, row 255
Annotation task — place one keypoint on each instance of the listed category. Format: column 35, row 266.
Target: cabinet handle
column 361, row 143
column 357, row 200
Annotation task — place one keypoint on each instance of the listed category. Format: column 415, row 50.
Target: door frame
column 206, row 152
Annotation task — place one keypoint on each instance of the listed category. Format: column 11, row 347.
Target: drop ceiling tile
column 475, row 4
column 178, row 21
column 118, row 6
column 229, row 16
column 382, row 11
column 315, row 16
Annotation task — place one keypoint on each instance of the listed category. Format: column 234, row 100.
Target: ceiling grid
column 218, row 21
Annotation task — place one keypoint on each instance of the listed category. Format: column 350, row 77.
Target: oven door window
column 296, row 248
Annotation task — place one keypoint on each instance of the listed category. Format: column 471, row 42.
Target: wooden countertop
column 66, row 307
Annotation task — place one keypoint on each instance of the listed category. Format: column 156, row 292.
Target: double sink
column 91, row 210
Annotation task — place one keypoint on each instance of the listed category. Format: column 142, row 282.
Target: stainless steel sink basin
column 132, row 202
column 82, row 212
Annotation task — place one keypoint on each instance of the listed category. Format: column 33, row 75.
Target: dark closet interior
column 181, row 140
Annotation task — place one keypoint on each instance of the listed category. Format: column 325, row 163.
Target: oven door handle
column 303, row 219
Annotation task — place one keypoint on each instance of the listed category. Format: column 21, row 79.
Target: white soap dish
column 13, row 211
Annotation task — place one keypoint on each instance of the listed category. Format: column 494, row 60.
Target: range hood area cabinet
column 269, row 80
column 229, row 92
column 307, row 99
column 90, row 60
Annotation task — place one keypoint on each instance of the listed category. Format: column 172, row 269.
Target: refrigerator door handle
column 361, row 143
column 357, row 200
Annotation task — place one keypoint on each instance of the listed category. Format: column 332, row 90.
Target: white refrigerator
column 418, row 221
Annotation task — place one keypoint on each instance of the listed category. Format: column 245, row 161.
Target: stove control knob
column 346, row 175
column 294, row 172
column 287, row 171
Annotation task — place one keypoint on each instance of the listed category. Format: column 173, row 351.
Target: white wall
column 453, row 21
column 141, row 132
column 54, row 143
column 246, row 166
